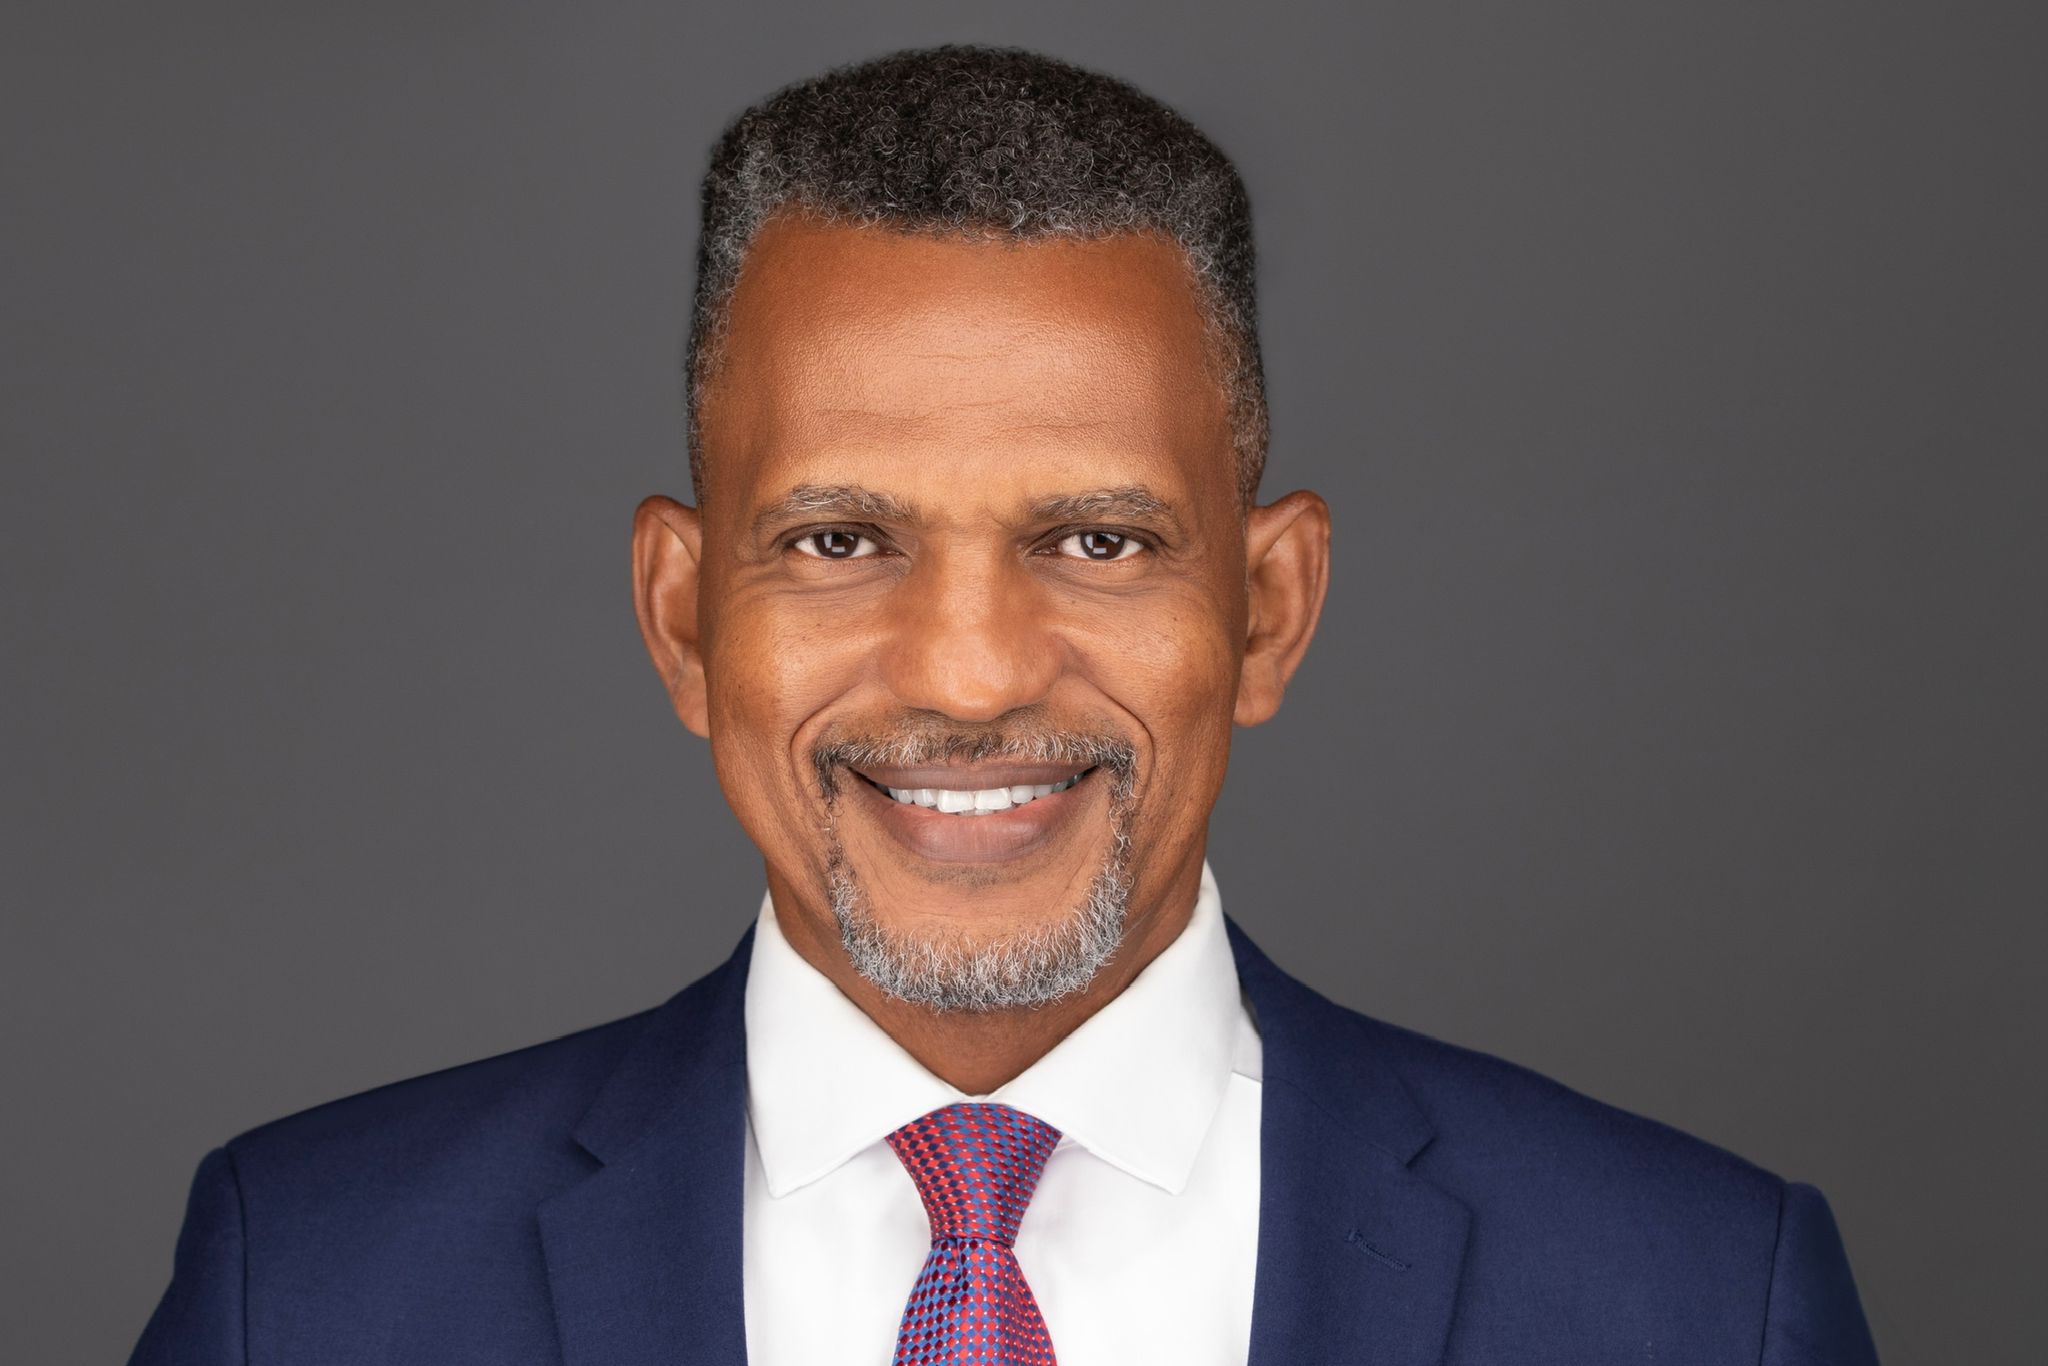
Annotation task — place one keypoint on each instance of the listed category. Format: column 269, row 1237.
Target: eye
column 1100, row 545
column 835, row 544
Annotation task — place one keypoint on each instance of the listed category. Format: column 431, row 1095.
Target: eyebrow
column 845, row 502
column 1131, row 502
column 851, row 502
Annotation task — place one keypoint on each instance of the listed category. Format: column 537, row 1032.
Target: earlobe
column 667, row 549
column 1287, row 571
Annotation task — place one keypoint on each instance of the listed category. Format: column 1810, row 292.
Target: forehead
column 877, row 349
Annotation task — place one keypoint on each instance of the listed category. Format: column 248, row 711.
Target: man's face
column 969, row 532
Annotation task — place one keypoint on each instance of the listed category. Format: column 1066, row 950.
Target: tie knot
column 975, row 1166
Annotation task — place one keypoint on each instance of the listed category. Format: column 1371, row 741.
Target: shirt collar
column 1137, row 1084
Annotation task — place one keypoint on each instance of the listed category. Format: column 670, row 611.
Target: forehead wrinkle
column 978, row 425
column 987, row 341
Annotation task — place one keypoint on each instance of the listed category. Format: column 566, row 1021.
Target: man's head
column 992, row 144
column 976, row 426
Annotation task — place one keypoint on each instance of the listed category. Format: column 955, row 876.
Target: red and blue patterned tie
column 975, row 1166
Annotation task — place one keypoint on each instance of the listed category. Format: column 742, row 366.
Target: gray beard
column 952, row 972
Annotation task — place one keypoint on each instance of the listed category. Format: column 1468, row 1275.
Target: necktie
column 975, row 1166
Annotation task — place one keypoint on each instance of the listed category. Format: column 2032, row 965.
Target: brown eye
column 1100, row 545
column 835, row 545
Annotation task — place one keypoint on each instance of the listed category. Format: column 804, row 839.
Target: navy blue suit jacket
column 579, row 1203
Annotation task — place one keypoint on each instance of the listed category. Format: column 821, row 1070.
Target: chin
column 963, row 962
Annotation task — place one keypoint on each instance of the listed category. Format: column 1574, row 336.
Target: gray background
column 1675, row 374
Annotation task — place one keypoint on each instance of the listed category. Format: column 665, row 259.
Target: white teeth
column 959, row 802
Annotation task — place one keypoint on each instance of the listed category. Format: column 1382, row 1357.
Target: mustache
column 943, row 742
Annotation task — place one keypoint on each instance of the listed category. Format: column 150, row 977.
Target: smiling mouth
column 980, row 801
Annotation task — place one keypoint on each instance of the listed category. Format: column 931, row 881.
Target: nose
column 971, row 641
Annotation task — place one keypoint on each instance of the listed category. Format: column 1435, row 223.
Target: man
column 974, row 590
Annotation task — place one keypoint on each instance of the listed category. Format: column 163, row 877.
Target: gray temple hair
column 986, row 142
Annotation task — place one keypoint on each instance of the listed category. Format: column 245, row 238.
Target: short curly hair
column 985, row 141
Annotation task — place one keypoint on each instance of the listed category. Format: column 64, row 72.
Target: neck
column 977, row 1052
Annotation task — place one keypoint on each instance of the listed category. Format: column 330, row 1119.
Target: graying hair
column 952, row 972
column 982, row 141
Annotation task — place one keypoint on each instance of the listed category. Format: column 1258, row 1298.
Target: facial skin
column 972, row 495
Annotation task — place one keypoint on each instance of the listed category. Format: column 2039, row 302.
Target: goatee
column 948, row 970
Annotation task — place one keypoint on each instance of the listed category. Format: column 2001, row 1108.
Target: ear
column 1287, row 569
column 668, row 543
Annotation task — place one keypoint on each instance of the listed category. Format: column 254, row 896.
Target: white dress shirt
column 1141, row 1241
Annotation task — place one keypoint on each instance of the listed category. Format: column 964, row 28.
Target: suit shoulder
column 514, row 1098
column 1634, row 1238
column 498, row 1133
column 1499, row 1115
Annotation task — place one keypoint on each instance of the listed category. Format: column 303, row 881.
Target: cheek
column 767, row 672
column 1176, row 672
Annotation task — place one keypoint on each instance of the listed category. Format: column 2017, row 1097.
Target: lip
column 990, row 837
column 972, row 777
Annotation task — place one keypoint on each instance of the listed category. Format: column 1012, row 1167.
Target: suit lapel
column 1358, row 1261
column 1359, row 1258
column 643, row 1256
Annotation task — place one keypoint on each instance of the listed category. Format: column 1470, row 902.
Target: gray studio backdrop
column 1675, row 374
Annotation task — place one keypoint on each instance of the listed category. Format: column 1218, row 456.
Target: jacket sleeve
column 199, row 1321
column 1813, row 1317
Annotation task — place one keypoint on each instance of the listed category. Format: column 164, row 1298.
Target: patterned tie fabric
column 975, row 1166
